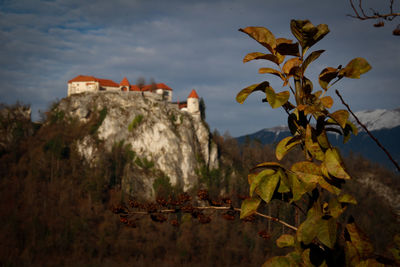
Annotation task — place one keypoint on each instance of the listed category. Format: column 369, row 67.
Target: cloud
column 185, row 44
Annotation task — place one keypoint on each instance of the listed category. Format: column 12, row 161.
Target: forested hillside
column 56, row 207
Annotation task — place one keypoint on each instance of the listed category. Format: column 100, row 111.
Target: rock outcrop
column 157, row 131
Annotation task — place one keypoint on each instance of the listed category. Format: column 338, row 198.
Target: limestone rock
column 157, row 131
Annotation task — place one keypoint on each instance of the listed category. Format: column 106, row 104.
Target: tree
column 140, row 82
column 202, row 107
column 360, row 14
column 312, row 186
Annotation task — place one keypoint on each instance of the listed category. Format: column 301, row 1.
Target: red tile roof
column 124, row 82
column 193, row 94
column 102, row 82
column 147, row 87
column 82, row 78
column 134, row 88
column 110, row 83
column 163, row 86
column 182, row 105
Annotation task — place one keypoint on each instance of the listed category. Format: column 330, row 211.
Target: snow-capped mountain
column 379, row 118
column 384, row 125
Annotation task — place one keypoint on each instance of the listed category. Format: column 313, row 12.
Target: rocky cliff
column 169, row 140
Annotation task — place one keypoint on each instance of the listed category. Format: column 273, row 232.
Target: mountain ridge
column 384, row 124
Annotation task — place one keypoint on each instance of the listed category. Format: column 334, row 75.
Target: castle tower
column 193, row 103
column 124, row 84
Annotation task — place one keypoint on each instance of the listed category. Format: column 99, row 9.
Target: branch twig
column 220, row 208
column 369, row 133
column 363, row 16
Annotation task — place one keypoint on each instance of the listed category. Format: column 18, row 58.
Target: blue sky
column 187, row 44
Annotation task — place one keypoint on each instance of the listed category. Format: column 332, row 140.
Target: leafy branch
column 318, row 180
column 126, row 213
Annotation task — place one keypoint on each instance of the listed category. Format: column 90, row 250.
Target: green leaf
column 283, row 187
column 346, row 198
column 326, row 76
column 395, row 248
column 335, row 208
column 355, row 68
column 313, row 56
column 298, row 187
column 327, row 232
column 259, row 178
column 306, row 33
column 249, row 207
column 285, row 241
column 258, row 55
column 370, row 263
column 277, row 261
column 269, row 164
column 341, row 117
column 360, row 241
column 351, row 253
column 334, row 164
column 244, row 93
column 285, row 145
column 313, row 147
column 322, row 139
column 306, row 258
column 331, row 188
column 276, row 100
column 267, row 187
column 309, row 172
column 261, row 35
column 348, row 129
column 307, row 230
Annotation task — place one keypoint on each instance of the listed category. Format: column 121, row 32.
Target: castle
column 82, row 83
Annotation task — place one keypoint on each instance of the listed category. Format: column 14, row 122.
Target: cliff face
column 174, row 141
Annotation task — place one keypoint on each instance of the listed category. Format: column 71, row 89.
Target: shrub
column 135, row 122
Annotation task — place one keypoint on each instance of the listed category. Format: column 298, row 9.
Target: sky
column 188, row 45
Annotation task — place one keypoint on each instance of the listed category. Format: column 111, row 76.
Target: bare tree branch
column 376, row 15
column 369, row 133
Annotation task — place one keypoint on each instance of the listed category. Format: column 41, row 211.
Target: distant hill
column 384, row 125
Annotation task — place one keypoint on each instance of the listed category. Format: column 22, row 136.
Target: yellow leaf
column 259, row 178
column 258, row 55
column 249, row 207
column 291, row 63
column 267, row 187
column 355, row 68
column 261, row 35
column 308, row 172
column 327, row 101
column 276, row 100
column 334, row 164
column 285, row 145
column 313, row 147
column 271, row 71
column 326, row 76
column 341, row 117
column 285, row 241
column 244, row 93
